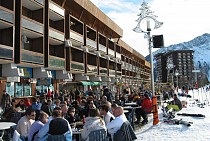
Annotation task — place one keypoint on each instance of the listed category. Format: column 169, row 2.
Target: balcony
column 111, row 52
column 92, row 69
column 32, row 57
column 6, row 16
column 32, row 25
column 90, row 43
column 111, row 72
column 56, row 13
column 118, row 55
column 56, row 35
column 77, row 39
column 75, row 66
column 103, row 71
column 57, row 62
column 102, row 48
column 6, row 53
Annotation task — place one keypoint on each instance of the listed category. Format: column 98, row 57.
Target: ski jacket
column 147, row 105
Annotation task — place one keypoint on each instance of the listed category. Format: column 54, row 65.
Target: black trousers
column 140, row 113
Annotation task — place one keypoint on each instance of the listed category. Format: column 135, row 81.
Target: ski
column 193, row 115
column 178, row 121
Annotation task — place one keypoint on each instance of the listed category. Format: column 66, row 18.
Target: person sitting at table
column 47, row 108
column 43, row 132
column 113, row 106
column 21, row 105
column 103, row 100
column 10, row 113
column 107, row 116
column 144, row 110
column 59, row 126
column 115, row 124
column 92, row 122
column 117, row 100
column 70, row 117
column 24, row 124
column 36, row 126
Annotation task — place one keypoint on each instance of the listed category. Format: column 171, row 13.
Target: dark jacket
column 125, row 133
column 177, row 102
column 58, row 126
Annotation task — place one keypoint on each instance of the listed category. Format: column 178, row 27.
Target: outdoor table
column 125, row 111
column 130, row 104
column 4, row 126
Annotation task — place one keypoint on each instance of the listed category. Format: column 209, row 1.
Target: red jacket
column 147, row 105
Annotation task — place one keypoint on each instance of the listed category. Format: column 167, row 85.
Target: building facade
column 47, row 43
column 175, row 67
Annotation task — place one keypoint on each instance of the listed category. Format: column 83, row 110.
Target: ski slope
column 198, row 131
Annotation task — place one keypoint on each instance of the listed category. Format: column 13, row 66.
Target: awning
column 41, row 73
column 63, row 74
column 106, row 79
column 81, row 77
column 11, row 70
column 90, row 83
column 95, row 79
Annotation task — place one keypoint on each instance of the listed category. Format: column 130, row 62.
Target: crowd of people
column 57, row 114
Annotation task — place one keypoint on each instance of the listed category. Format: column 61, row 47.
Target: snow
column 198, row 131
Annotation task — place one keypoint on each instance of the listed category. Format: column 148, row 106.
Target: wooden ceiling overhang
column 87, row 12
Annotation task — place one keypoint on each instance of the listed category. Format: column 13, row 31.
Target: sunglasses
column 33, row 115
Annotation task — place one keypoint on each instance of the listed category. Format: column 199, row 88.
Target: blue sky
column 183, row 19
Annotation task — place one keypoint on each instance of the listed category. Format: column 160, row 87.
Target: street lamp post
column 177, row 79
column 145, row 26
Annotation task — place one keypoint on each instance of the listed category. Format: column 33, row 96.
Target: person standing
column 5, row 100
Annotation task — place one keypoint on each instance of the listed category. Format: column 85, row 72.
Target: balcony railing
column 103, row 71
column 57, row 62
column 56, row 35
column 111, row 72
column 102, row 48
column 119, row 73
column 32, row 25
column 76, row 36
column 6, row 53
column 118, row 55
column 56, row 9
column 91, row 43
column 92, row 69
column 32, row 57
column 77, row 66
column 6, row 16
column 111, row 52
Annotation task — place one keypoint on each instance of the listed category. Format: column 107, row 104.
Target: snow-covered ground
column 198, row 131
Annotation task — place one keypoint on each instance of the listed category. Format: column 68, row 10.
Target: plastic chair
column 131, row 117
column 98, row 135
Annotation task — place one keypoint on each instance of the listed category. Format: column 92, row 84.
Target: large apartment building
column 44, row 43
column 175, row 67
